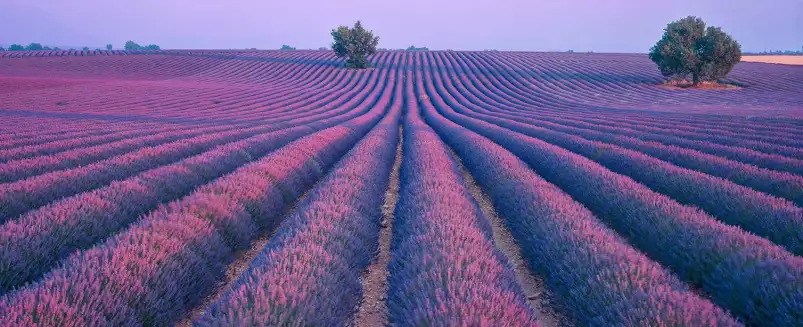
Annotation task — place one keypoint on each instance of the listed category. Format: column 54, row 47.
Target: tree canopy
column 689, row 48
column 34, row 46
column 286, row 47
column 131, row 45
column 355, row 44
column 414, row 48
column 108, row 47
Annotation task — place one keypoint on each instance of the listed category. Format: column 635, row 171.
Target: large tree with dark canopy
column 34, row 46
column 355, row 44
column 689, row 48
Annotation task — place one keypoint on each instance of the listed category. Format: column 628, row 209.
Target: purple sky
column 581, row 25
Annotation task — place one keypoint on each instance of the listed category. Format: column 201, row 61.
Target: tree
column 413, row 48
column 15, row 47
column 34, row 46
column 56, row 48
column 355, row 44
column 2, row 49
column 109, row 47
column 131, row 45
column 47, row 48
column 689, row 48
column 152, row 47
column 85, row 48
column 286, row 47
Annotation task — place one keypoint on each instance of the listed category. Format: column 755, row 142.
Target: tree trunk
column 695, row 78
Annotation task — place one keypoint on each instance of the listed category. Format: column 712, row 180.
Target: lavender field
column 440, row 188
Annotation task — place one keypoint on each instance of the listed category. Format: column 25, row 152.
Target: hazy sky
column 581, row 25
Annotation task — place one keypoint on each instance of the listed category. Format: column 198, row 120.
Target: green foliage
column 286, row 47
column 689, row 48
column 85, row 48
column 413, row 48
column 34, row 46
column 47, row 48
column 355, row 44
column 56, row 48
column 109, row 47
column 16, row 47
column 131, row 45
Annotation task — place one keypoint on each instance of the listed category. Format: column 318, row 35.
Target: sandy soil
column 547, row 310
column 373, row 310
column 786, row 60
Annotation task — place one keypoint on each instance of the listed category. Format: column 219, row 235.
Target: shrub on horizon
column 34, row 46
column 131, row 45
column 85, row 48
column 689, row 48
column 287, row 47
column 16, row 47
column 413, row 48
column 323, row 49
column 109, row 47
column 355, row 44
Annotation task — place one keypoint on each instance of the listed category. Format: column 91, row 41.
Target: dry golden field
column 787, row 60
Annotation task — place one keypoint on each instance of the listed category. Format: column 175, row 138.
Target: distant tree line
column 777, row 52
column 287, row 47
column 413, row 48
column 38, row 46
column 131, row 45
column 32, row 46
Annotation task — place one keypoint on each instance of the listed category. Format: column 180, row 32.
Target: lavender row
column 309, row 273
column 445, row 269
column 155, row 271
column 62, row 130
column 782, row 184
column 745, row 155
column 770, row 161
column 592, row 269
column 512, row 87
column 82, row 142
column 23, row 168
column 742, row 272
column 777, row 219
column 24, row 195
column 33, row 242
column 502, row 92
column 20, row 196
